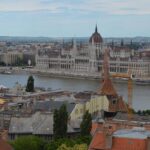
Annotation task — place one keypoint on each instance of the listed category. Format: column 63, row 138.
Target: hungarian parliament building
column 86, row 59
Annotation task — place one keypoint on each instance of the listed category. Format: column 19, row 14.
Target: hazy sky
column 69, row 18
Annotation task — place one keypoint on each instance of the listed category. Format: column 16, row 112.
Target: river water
column 141, row 94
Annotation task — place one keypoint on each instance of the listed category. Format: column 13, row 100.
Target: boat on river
column 6, row 72
column 142, row 82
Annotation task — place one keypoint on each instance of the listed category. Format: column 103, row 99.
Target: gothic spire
column 107, row 87
column 96, row 29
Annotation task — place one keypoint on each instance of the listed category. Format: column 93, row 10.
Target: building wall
column 11, row 58
column 148, row 143
column 129, row 144
column 27, row 57
column 90, row 66
column 78, row 111
column 96, row 104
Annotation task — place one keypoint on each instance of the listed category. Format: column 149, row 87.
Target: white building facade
column 88, row 60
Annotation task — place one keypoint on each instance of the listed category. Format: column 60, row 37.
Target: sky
column 74, row 18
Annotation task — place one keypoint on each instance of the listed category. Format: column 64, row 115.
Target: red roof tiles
column 4, row 145
column 98, row 141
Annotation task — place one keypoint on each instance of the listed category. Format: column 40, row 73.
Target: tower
column 107, row 87
column 96, row 37
column 116, row 102
column 74, row 48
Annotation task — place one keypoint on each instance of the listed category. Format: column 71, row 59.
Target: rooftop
column 135, row 117
column 4, row 145
column 50, row 105
column 38, row 123
column 135, row 133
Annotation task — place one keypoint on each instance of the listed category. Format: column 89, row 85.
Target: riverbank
column 141, row 93
column 54, row 73
column 69, row 75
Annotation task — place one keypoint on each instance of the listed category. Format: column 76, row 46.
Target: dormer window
column 114, row 101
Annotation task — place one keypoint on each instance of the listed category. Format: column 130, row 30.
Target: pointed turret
column 96, row 31
column 107, row 87
column 116, row 103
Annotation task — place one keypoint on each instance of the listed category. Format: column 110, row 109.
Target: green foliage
column 56, row 124
column 86, row 124
column 144, row 112
column 139, row 112
column 71, row 142
column 80, row 147
column 28, row 143
column 36, row 143
column 64, row 147
column 75, row 147
column 83, row 139
column 60, row 122
column 54, row 144
column 30, row 84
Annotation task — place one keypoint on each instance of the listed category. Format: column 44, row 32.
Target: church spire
column 96, row 31
column 107, row 87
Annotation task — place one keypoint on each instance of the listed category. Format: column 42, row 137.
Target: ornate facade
column 87, row 59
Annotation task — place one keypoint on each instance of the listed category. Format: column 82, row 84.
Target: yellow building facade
column 95, row 104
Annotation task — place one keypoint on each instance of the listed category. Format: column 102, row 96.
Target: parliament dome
column 96, row 37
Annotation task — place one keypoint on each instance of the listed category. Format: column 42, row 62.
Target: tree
column 80, row 147
column 56, row 124
column 63, row 147
column 139, row 112
column 75, row 147
column 30, row 84
column 68, row 142
column 63, row 116
column 28, row 143
column 86, row 124
column 60, row 122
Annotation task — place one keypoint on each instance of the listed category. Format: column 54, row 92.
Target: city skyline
column 55, row 18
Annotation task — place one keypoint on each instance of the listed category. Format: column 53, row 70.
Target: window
column 114, row 101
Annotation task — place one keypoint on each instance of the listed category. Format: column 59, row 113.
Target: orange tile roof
column 108, row 88
column 98, row 141
column 122, row 105
column 4, row 145
column 95, row 127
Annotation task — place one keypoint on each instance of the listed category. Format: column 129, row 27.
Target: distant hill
column 79, row 39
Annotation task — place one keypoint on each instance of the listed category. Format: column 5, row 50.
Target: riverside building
column 87, row 59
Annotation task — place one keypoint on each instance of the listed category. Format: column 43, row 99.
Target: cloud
column 28, row 5
column 122, row 7
column 116, row 7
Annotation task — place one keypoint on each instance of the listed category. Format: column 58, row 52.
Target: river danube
column 141, row 94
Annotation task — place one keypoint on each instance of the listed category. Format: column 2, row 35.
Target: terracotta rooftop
column 98, row 142
column 122, row 105
column 83, row 95
column 108, row 88
column 4, row 145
